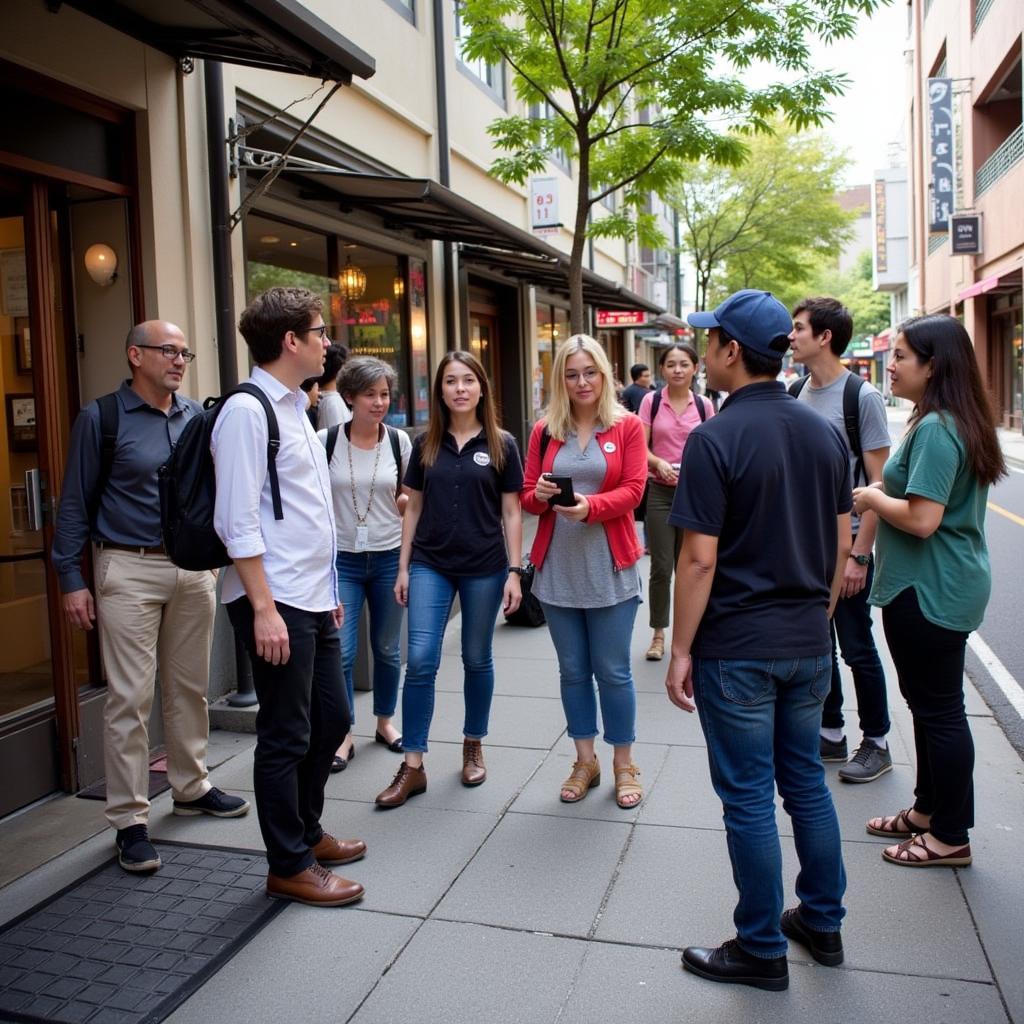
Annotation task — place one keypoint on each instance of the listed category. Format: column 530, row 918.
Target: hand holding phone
column 565, row 496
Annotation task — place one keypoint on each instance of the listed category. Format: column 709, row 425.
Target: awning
column 430, row 210
column 1008, row 280
column 281, row 35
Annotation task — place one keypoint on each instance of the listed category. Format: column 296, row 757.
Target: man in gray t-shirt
column 822, row 328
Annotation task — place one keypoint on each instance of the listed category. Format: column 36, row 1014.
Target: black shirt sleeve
column 512, row 474
column 414, row 471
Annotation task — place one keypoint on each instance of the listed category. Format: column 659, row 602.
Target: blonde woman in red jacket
column 586, row 552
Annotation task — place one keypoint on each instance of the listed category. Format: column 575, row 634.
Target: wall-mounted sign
column 881, row 241
column 940, row 107
column 620, row 318
column 544, row 206
column 965, row 234
column 880, row 343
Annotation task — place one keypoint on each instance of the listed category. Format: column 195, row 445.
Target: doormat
column 157, row 783
column 131, row 948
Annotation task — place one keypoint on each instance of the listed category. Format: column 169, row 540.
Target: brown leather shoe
column 408, row 781
column 316, row 886
column 338, row 851
column 473, row 770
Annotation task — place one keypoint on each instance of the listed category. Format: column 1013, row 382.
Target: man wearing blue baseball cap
column 764, row 502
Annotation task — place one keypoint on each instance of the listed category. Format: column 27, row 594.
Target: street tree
column 853, row 288
column 631, row 90
column 769, row 222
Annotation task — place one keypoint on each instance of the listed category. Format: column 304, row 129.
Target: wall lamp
column 101, row 264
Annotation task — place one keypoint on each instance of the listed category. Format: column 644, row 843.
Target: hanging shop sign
column 620, row 317
column 881, row 238
column 965, row 234
column 544, row 206
column 940, row 107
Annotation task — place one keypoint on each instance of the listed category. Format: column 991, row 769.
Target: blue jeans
column 593, row 644
column 851, row 623
column 761, row 721
column 370, row 576
column 431, row 595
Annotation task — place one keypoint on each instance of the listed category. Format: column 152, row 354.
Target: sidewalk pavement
column 501, row 904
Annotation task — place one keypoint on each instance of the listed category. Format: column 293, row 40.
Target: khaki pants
column 149, row 609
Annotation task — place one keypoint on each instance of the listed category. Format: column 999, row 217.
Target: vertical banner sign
column 940, row 106
column 881, row 238
column 544, row 206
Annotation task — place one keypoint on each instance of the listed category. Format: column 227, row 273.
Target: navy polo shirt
column 460, row 532
column 767, row 476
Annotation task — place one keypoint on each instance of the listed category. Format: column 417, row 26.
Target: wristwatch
column 517, row 569
column 861, row 559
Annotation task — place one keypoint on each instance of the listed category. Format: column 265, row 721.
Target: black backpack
column 331, row 442
column 188, row 486
column 851, row 418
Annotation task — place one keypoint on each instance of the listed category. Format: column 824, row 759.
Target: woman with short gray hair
column 367, row 461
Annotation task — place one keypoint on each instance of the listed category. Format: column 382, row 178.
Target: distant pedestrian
column 764, row 500
column 669, row 415
column 822, row 328
column 933, row 579
column 150, row 613
column 281, row 594
column 461, row 535
column 586, row 552
column 365, row 488
column 331, row 407
column 633, row 395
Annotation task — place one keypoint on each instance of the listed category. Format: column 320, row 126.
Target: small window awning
column 1008, row 280
column 280, row 35
column 430, row 210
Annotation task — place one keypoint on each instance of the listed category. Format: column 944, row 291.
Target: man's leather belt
column 135, row 549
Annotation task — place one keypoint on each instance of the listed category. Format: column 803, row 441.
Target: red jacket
column 625, row 450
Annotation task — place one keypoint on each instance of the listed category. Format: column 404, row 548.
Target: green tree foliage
column 769, row 222
column 636, row 88
column 870, row 309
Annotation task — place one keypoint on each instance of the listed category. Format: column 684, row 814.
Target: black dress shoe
column 825, row 947
column 395, row 746
column 732, row 965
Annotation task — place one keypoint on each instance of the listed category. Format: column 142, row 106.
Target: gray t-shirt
column 874, row 427
column 578, row 571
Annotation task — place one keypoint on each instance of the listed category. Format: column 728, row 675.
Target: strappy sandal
column 585, row 775
column 906, row 859
column 657, row 649
column 626, row 785
column 895, row 826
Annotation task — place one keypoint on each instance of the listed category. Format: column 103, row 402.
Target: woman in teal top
column 932, row 577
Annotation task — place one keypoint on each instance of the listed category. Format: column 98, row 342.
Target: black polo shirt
column 767, row 476
column 460, row 532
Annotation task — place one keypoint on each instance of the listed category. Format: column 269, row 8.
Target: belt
column 135, row 549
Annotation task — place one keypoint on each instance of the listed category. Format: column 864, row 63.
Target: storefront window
column 282, row 255
column 418, row 337
column 552, row 329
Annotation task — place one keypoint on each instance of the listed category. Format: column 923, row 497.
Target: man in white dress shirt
column 281, row 595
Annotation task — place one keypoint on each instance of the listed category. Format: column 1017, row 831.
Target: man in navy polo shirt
column 764, row 500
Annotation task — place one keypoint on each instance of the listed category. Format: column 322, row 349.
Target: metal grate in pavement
column 114, row 948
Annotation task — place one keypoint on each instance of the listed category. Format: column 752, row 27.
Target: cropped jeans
column 370, row 576
column 431, row 595
column 761, row 721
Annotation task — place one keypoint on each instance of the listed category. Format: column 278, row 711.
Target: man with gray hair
column 149, row 611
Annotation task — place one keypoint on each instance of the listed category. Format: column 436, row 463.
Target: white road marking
column 1012, row 690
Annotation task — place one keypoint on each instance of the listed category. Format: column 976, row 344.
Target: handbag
column 529, row 612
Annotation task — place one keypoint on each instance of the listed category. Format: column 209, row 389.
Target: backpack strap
column 851, row 421
column 396, row 451
column 798, row 385
column 273, row 441
column 655, row 406
column 702, row 409
column 331, row 441
column 110, row 417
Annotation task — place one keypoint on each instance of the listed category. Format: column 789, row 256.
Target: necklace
column 361, row 518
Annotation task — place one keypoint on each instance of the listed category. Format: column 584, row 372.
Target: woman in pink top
column 668, row 416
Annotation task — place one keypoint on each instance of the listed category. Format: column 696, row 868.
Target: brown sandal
column 906, row 858
column 585, row 775
column 626, row 785
column 896, row 826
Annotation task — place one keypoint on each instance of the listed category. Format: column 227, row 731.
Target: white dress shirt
column 298, row 551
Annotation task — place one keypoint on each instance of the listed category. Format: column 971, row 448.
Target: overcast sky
column 873, row 112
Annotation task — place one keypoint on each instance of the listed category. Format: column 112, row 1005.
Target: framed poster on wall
column 21, row 423
column 13, row 283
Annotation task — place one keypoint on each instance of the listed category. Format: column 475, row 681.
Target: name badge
column 362, row 538
column 482, row 458
column 609, row 446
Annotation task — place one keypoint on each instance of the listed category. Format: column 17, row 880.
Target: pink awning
column 979, row 287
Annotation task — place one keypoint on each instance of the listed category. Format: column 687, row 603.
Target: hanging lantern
column 399, row 287
column 351, row 281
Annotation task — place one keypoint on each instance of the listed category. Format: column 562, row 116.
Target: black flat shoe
column 825, row 947
column 339, row 764
column 733, row 965
column 395, row 746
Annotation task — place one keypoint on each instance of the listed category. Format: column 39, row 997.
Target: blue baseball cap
column 754, row 318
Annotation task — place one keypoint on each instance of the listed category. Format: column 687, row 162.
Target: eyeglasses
column 588, row 376
column 171, row 352
column 321, row 330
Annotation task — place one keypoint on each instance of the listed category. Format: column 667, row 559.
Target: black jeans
column 930, row 664
column 851, row 623
column 302, row 718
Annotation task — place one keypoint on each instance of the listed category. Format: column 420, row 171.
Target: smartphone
column 565, row 496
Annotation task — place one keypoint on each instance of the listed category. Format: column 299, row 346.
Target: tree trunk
column 577, row 319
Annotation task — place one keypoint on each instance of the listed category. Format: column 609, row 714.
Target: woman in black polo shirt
column 462, row 526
